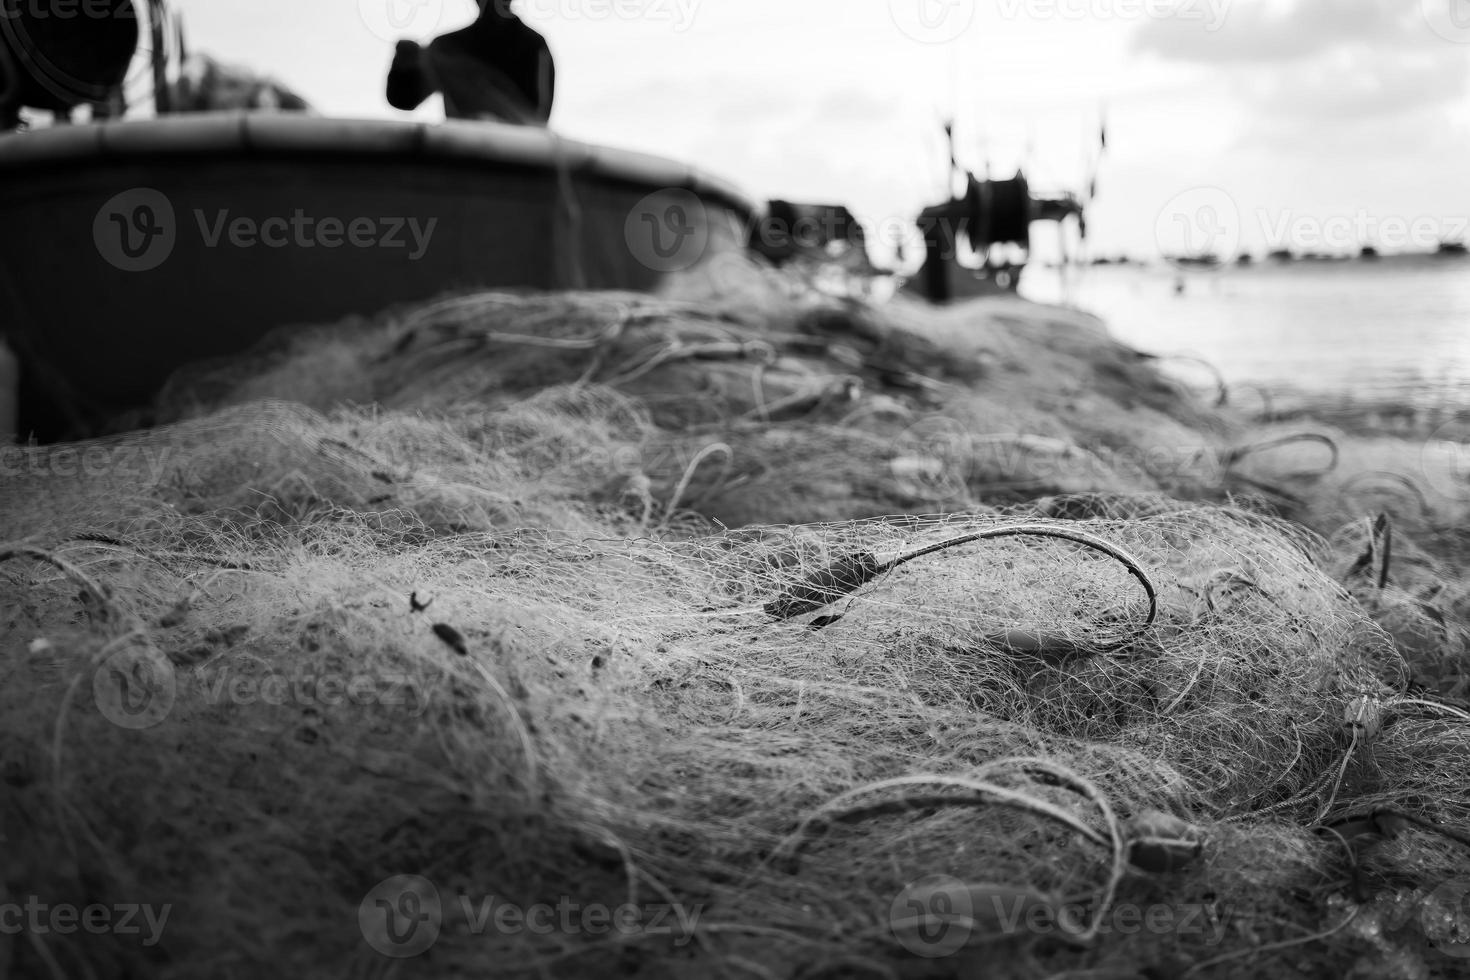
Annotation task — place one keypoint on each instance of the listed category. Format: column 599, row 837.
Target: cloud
column 1272, row 32
column 1320, row 62
column 1354, row 86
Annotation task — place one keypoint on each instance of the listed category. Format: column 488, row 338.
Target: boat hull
column 135, row 248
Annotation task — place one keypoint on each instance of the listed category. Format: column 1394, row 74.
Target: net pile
column 806, row 411
column 486, row 628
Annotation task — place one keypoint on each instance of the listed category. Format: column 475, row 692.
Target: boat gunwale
column 282, row 136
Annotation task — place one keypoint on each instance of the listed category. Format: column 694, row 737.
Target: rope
column 850, row 572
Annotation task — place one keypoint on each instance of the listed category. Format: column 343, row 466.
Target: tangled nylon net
column 614, row 614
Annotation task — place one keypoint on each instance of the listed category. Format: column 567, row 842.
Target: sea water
column 1389, row 330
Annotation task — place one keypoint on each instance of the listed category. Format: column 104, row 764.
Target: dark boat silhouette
column 146, row 214
column 1205, row 261
column 978, row 242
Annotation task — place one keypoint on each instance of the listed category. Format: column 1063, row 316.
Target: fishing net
column 593, row 602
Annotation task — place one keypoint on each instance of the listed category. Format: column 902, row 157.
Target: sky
column 1316, row 125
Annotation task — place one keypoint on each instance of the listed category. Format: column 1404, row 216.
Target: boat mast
column 157, row 24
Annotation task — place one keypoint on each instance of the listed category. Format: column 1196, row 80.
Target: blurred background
column 1307, row 109
column 1302, row 127
column 1274, row 186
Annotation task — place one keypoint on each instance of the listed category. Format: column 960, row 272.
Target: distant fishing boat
column 138, row 247
column 1206, row 261
column 1451, row 248
column 979, row 241
column 993, row 219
